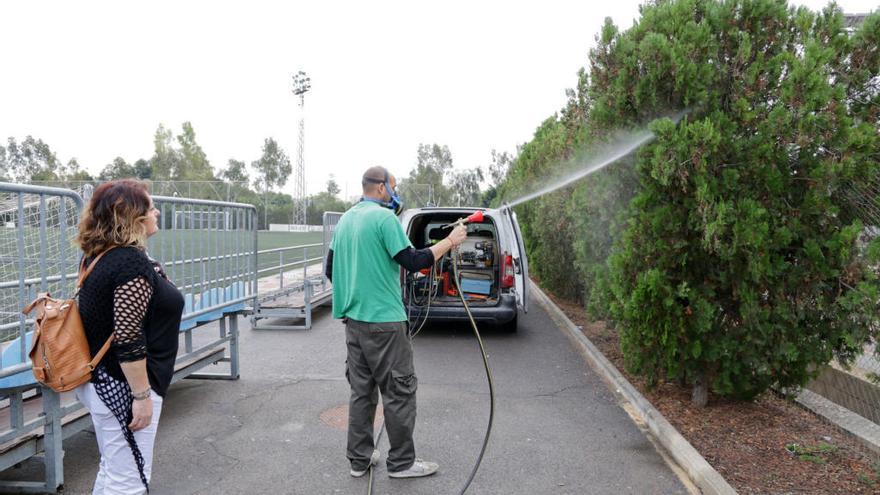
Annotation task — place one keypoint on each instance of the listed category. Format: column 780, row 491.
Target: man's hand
column 458, row 235
column 455, row 238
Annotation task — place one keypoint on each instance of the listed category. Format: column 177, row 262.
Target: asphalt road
column 558, row 429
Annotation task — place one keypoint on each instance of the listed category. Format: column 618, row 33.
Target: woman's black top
column 129, row 293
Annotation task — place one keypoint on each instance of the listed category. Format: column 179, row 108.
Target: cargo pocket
column 404, row 384
column 347, row 378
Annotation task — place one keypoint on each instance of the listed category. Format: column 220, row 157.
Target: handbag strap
column 103, row 350
column 84, row 274
column 42, row 296
column 82, row 278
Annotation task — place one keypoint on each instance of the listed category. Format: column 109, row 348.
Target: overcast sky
column 95, row 79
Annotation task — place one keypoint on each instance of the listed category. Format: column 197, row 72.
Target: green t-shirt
column 366, row 279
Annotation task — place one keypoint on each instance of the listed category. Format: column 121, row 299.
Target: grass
column 867, row 479
column 812, row 453
column 272, row 240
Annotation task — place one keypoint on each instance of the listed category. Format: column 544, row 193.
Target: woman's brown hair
column 115, row 216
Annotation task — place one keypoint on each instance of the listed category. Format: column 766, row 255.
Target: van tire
column 510, row 326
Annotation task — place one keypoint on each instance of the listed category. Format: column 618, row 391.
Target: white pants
column 118, row 473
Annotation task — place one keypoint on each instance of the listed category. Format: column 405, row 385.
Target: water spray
column 600, row 162
column 620, row 148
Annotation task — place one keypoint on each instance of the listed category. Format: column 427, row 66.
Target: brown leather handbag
column 59, row 353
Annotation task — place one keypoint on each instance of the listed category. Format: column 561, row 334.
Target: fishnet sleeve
column 130, row 302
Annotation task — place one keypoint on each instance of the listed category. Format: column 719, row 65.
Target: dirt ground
column 769, row 446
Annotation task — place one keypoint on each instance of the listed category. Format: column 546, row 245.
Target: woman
column 127, row 295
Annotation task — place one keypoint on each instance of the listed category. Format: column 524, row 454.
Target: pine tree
column 739, row 268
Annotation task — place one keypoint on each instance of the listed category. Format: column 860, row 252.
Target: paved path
column 558, row 429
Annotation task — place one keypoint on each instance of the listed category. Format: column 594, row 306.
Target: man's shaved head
column 373, row 178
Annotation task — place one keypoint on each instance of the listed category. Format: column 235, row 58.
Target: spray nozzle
column 476, row 217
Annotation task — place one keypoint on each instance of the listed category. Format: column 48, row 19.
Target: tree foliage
column 464, row 187
column 72, row 171
column 194, row 163
column 737, row 269
column 321, row 203
column 117, row 169
column 736, row 263
column 178, row 162
column 235, row 171
column 497, row 171
column 273, row 167
column 426, row 182
column 166, row 161
column 332, row 186
column 327, row 200
column 4, row 164
column 31, row 160
column 184, row 162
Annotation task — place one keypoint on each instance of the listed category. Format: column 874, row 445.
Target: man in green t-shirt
column 368, row 248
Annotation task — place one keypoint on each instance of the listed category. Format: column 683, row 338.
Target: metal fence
column 37, row 229
column 330, row 221
column 292, row 288
column 203, row 189
column 857, row 388
column 290, row 258
column 209, row 251
column 36, row 255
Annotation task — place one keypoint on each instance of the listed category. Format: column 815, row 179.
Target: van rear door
column 520, row 262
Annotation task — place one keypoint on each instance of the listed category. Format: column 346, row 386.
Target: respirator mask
column 395, row 204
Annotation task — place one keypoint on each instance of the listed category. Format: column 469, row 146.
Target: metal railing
column 857, row 387
column 209, row 250
column 330, row 221
column 288, row 294
column 207, row 189
column 285, row 263
column 36, row 255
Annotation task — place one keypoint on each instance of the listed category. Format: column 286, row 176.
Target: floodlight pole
column 301, row 85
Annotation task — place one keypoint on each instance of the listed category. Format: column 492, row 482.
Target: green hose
column 488, row 377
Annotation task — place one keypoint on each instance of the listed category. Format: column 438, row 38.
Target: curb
column 703, row 475
column 864, row 430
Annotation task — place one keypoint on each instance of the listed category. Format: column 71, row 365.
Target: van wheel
column 510, row 326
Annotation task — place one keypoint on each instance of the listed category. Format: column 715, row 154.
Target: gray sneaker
column 417, row 470
column 374, row 459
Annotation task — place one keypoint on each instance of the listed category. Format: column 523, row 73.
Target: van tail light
column 507, row 271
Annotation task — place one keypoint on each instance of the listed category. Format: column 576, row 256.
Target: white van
column 492, row 264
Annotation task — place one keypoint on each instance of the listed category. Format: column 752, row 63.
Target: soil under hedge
column 769, row 446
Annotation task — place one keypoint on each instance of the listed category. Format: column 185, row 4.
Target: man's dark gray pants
column 380, row 356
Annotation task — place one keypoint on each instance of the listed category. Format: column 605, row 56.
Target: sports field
column 272, row 240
